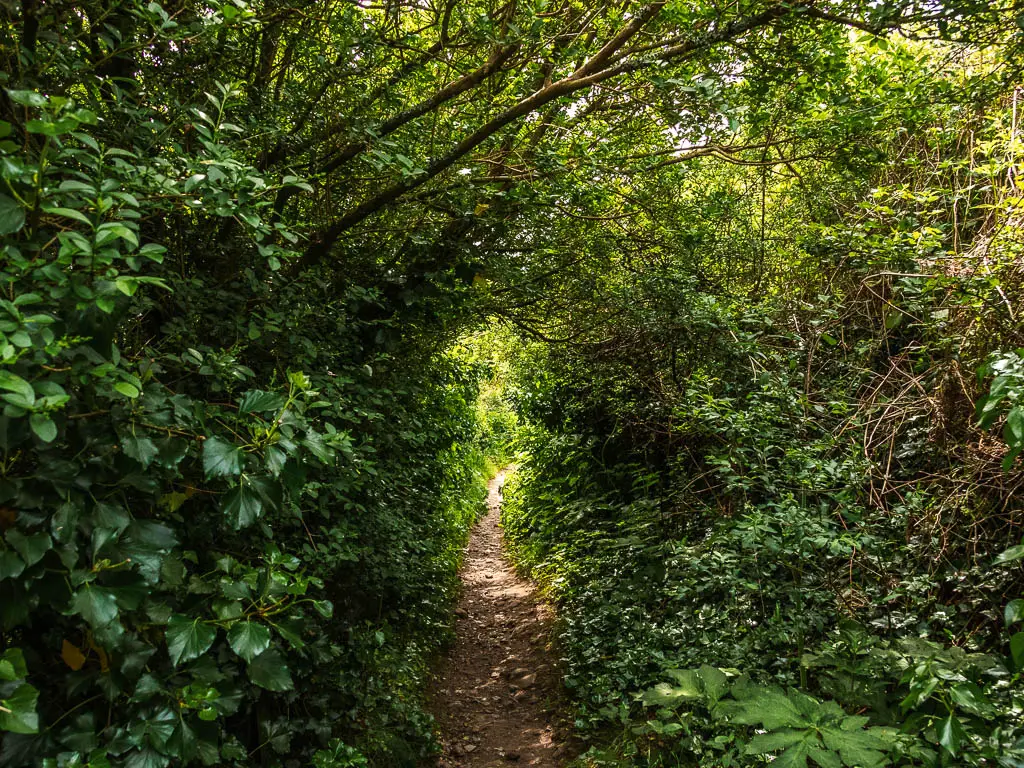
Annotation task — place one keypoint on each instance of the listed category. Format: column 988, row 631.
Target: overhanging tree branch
column 587, row 75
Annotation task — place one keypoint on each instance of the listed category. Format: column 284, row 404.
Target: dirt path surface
column 495, row 695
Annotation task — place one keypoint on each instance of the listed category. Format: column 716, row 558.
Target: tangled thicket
column 773, row 488
column 754, row 251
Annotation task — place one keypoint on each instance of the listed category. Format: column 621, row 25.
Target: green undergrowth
column 748, row 599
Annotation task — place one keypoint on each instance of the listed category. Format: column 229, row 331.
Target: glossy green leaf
column 127, row 389
column 1010, row 555
column 1017, row 650
column 221, row 458
column 97, row 605
column 17, row 386
column 31, row 547
column 269, row 670
column 27, row 98
column 18, row 710
column 951, row 734
column 248, row 639
column 43, row 427
column 242, row 505
column 11, row 564
column 258, row 401
column 188, row 638
column 12, row 665
column 1013, row 612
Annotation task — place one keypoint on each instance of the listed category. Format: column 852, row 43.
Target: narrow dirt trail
column 495, row 695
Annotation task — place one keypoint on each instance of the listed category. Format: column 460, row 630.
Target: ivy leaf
column 248, row 639
column 10, row 565
column 18, row 711
column 145, row 758
column 96, row 605
column 12, row 665
column 291, row 630
column 221, row 458
column 187, row 638
column 109, row 521
column 269, row 670
column 31, row 548
column 183, row 742
column 269, row 489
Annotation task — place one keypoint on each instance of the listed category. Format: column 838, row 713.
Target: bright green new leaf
column 12, row 665
column 128, row 390
column 17, row 386
column 18, row 710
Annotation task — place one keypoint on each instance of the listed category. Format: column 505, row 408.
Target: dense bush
column 232, row 500
column 774, row 526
